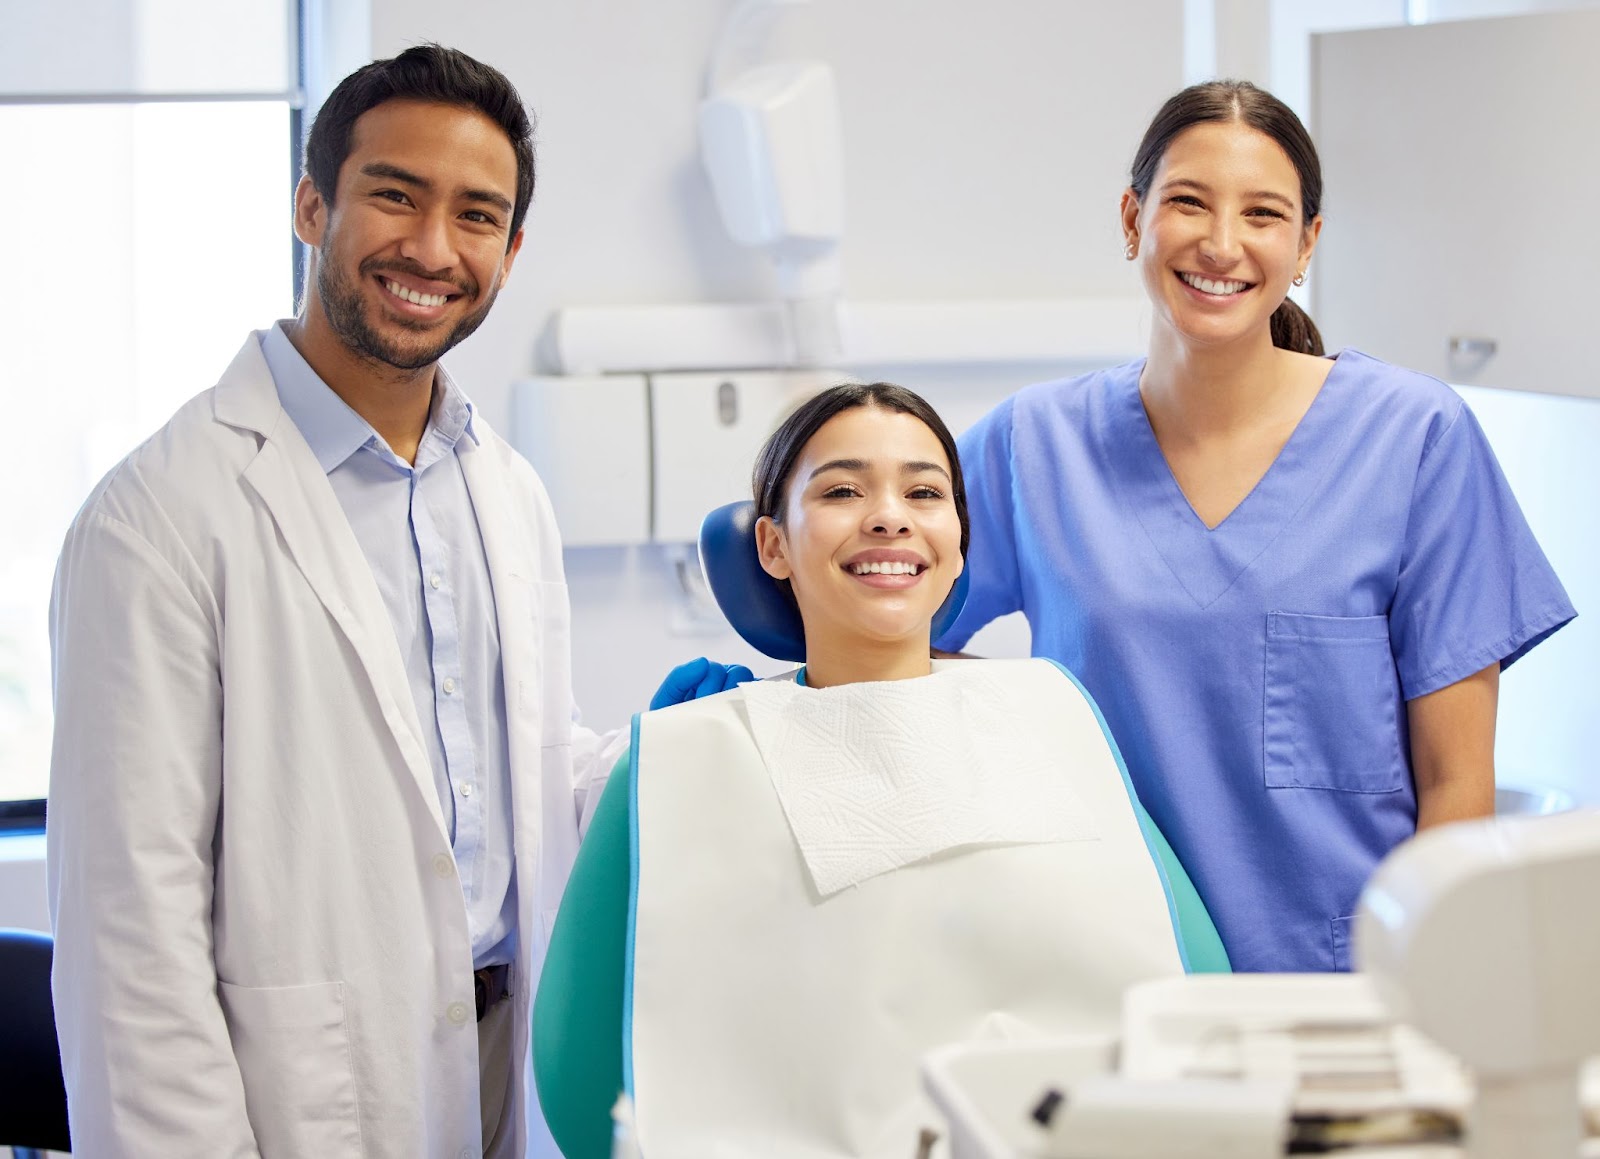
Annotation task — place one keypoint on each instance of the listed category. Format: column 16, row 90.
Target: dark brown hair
column 769, row 482
column 431, row 73
column 1239, row 100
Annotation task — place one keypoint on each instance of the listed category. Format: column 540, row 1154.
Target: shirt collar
column 334, row 431
column 453, row 414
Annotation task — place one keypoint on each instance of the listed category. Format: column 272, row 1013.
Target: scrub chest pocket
column 1331, row 699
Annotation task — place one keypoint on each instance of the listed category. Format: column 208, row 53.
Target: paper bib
column 768, row 1019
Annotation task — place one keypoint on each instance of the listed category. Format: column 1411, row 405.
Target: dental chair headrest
column 761, row 611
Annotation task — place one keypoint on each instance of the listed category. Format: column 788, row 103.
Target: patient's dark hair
column 769, row 483
column 428, row 73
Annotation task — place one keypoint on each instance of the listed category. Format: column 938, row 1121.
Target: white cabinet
column 1461, row 186
column 635, row 458
column 707, row 429
column 589, row 439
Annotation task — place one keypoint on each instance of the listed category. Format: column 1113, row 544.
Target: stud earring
column 1129, row 252
column 1300, row 278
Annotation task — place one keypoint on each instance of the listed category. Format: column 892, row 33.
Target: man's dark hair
column 431, row 73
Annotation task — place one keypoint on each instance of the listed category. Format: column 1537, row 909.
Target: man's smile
column 415, row 298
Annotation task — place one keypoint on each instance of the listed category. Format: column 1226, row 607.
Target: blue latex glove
column 697, row 678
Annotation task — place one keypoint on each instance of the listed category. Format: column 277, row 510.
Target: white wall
column 160, row 46
column 1548, row 728
column 1432, row 11
column 985, row 149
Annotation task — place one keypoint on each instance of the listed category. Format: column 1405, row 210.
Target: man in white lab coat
column 316, row 784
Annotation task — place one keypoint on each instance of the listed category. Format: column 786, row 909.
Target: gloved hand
column 697, row 678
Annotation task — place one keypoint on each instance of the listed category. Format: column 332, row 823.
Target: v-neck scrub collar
column 1207, row 560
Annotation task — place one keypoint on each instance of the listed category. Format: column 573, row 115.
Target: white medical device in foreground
column 1464, row 1034
column 1486, row 936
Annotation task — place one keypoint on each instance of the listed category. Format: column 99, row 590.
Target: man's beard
column 347, row 315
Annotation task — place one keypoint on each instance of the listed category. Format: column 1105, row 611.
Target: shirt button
column 443, row 865
column 449, row 685
column 466, row 789
column 457, row 1013
column 468, row 1153
column 434, row 581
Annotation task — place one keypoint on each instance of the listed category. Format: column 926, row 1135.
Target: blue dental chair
column 759, row 607
column 576, row 1040
column 33, row 1096
column 578, row 1011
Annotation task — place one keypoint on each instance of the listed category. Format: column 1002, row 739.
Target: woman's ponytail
column 1293, row 329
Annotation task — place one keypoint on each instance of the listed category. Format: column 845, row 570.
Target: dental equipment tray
column 1221, row 1066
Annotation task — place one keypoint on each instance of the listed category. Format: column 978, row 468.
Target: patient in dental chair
column 793, row 889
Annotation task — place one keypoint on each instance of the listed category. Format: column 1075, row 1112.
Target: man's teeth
column 885, row 568
column 1207, row 286
column 412, row 296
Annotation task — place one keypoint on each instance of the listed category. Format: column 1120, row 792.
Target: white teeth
column 1207, row 286
column 885, row 568
column 412, row 296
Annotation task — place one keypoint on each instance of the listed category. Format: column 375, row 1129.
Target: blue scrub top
column 1255, row 675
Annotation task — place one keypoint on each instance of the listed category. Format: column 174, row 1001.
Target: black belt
column 489, row 985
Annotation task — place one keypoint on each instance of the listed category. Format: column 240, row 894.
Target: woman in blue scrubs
column 1291, row 582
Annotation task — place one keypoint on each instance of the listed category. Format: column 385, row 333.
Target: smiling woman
column 1238, row 171
column 1254, row 555
column 863, row 516
column 791, row 889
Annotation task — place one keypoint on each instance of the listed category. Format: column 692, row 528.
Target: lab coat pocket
column 1330, row 704
column 294, row 1056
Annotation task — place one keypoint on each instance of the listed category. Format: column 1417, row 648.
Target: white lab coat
column 261, row 941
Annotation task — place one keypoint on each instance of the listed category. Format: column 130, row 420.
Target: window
column 148, row 232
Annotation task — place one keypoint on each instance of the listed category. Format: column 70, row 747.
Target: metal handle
column 728, row 404
column 1466, row 347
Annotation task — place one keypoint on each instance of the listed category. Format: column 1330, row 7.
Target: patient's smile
column 892, row 564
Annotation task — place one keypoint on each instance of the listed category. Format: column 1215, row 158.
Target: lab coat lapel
column 317, row 534
column 508, row 546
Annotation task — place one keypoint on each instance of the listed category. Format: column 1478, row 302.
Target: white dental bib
column 828, row 882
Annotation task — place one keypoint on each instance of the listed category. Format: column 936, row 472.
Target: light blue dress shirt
column 416, row 525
